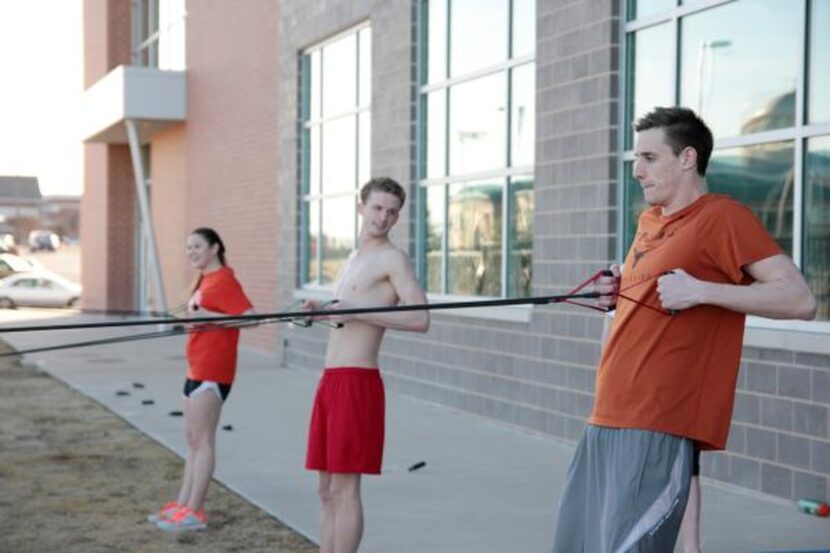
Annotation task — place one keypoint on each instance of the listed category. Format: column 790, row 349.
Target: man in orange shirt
column 666, row 380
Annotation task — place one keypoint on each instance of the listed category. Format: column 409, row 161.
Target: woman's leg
column 187, row 479
column 204, row 410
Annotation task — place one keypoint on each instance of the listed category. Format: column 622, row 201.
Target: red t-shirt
column 211, row 355
column 677, row 374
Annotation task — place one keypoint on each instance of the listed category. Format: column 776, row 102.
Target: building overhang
column 155, row 99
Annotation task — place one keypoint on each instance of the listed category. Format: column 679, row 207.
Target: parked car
column 43, row 240
column 38, row 289
column 7, row 244
column 10, row 264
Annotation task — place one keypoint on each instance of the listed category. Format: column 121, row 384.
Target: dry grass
column 76, row 478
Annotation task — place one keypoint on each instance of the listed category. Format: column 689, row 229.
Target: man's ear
column 688, row 158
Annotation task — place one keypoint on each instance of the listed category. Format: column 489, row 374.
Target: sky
column 41, row 84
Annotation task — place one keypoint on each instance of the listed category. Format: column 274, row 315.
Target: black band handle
column 608, row 273
column 672, row 312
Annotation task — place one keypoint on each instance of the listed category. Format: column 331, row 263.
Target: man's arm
column 779, row 291
column 409, row 291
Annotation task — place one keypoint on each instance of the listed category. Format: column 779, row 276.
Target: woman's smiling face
column 200, row 253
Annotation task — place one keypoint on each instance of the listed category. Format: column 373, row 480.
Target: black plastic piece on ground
column 122, row 393
column 228, row 427
column 418, row 465
column 147, row 402
column 138, row 385
column 175, row 413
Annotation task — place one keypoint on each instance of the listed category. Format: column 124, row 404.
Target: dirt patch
column 76, row 478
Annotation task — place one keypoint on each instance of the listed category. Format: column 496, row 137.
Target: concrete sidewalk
column 486, row 488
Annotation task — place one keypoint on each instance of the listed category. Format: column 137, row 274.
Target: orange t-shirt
column 211, row 355
column 677, row 374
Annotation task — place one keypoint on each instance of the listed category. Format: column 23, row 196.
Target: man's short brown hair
column 383, row 184
column 682, row 128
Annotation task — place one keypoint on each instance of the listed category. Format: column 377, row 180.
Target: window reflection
column 436, row 15
column 819, row 79
column 365, row 67
column 436, row 131
column 314, row 160
column 159, row 33
column 478, row 34
column 313, row 242
column 474, row 238
column 520, row 246
column 314, row 99
column 339, row 155
column 172, row 34
column 645, row 8
column 650, row 60
column 364, row 150
column 434, row 238
column 635, row 203
column 741, row 77
column 817, row 222
column 338, row 234
column 340, row 76
column 761, row 177
column 524, row 27
column 522, row 117
column 477, row 125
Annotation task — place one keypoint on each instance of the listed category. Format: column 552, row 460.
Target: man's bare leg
column 348, row 512
column 690, row 527
column 327, row 517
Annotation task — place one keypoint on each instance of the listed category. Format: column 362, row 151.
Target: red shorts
column 347, row 422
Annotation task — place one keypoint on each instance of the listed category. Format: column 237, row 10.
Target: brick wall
column 108, row 204
column 168, row 206
column 780, row 438
column 231, row 149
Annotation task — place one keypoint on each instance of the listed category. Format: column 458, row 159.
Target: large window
column 335, row 149
column 477, row 133
column 762, row 86
column 159, row 33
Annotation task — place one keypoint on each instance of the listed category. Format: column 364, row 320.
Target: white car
column 38, row 288
column 10, row 264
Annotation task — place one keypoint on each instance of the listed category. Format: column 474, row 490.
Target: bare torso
column 364, row 280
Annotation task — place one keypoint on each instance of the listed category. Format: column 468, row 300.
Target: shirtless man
column 347, row 422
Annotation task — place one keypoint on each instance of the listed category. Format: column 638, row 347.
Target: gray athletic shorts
column 626, row 492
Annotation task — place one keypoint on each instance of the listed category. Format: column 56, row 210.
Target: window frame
column 506, row 173
column 317, row 289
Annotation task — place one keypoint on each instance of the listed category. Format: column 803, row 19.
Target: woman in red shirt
column 211, row 356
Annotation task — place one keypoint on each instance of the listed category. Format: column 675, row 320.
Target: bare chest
column 365, row 277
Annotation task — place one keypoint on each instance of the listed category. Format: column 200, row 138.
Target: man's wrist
column 705, row 292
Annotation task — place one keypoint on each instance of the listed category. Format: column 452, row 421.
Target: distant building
column 61, row 214
column 23, row 208
column 20, row 203
column 20, row 197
